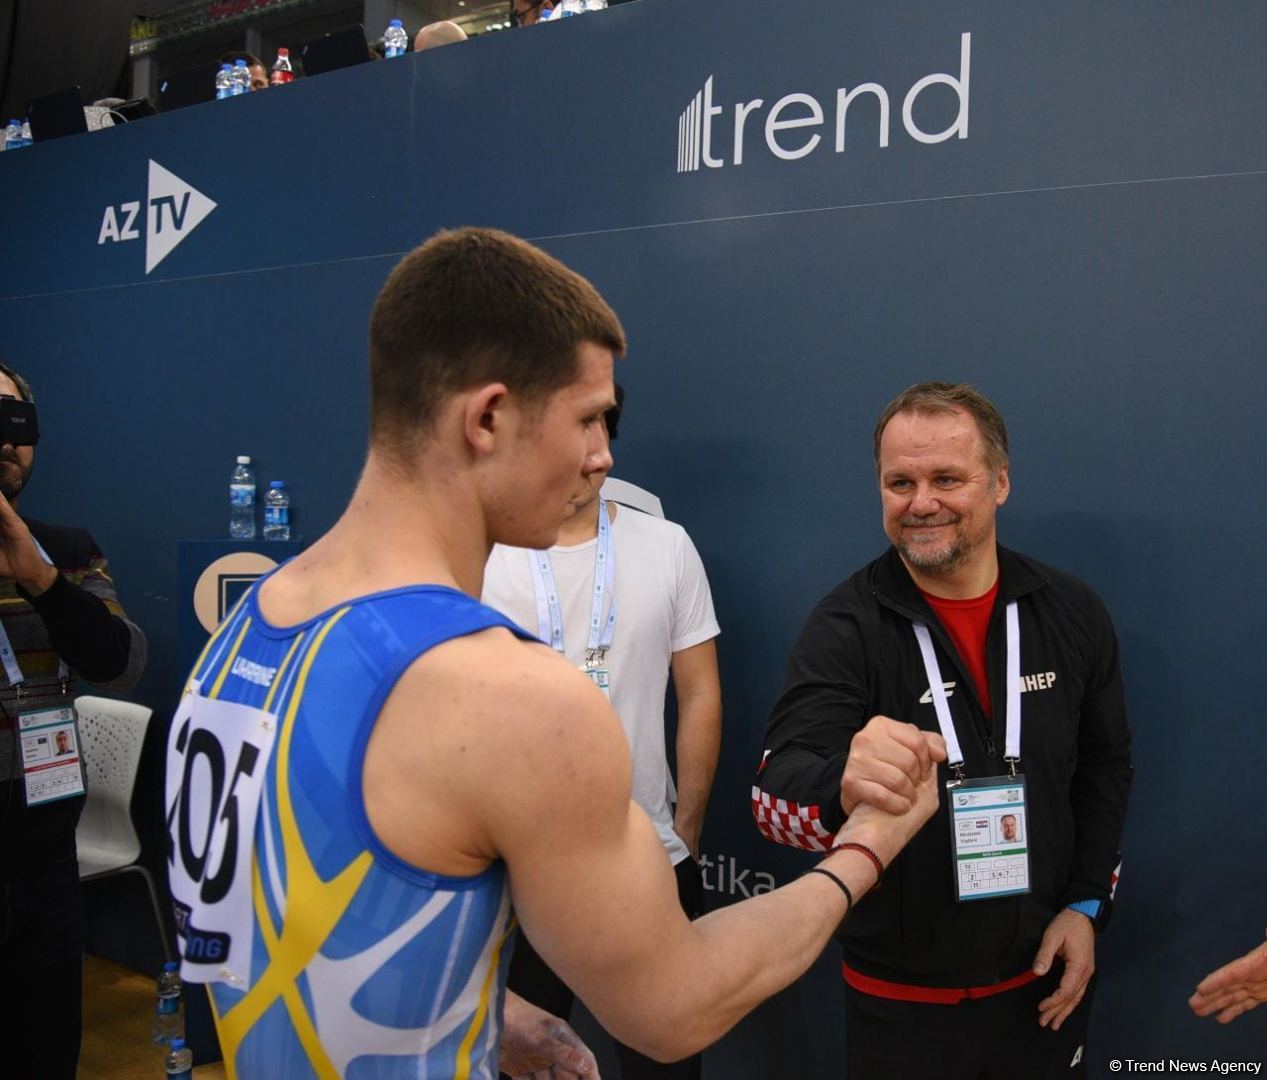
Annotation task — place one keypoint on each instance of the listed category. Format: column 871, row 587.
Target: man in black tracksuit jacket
column 939, row 988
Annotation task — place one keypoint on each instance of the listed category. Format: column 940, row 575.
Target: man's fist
column 887, row 761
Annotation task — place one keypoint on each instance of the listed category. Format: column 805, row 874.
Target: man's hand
column 887, row 834
column 20, row 559
column 1234, row 989
column 887, row 761
column 1070, row 936
column 538, row 1046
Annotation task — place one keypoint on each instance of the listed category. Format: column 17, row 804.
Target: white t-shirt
column 663, row 605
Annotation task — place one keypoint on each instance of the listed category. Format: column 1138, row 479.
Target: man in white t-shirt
column 623, row 596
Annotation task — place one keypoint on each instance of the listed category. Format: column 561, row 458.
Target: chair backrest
column 111, row 734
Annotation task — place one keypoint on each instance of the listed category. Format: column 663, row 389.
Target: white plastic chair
column 112, row 734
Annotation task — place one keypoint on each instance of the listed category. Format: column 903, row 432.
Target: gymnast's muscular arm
column 489, row 748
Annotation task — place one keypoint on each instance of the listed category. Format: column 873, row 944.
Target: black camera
column 18, row 425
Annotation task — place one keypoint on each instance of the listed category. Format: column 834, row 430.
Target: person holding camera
column 60, row 621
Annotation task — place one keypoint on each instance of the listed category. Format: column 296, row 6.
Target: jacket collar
column 893, row 586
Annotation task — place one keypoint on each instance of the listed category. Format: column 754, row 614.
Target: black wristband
column 839, row 884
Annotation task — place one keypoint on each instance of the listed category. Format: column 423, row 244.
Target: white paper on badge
column 990, row 837
column 50, row 755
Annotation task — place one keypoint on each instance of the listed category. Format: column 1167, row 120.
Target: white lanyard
column 1012, row 746
column 549, row 613
column 9, row 658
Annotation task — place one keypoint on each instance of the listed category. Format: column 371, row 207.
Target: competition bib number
column 217, row 757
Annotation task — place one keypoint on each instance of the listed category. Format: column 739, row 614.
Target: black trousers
column 531, row 978
column 994, row 1038
column 41, row 975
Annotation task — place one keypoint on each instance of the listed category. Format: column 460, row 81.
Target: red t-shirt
column 966, row 621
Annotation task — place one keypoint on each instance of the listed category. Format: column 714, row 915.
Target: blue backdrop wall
column 1085, row 244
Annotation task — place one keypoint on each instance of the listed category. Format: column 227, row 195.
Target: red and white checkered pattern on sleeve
column 789, row 823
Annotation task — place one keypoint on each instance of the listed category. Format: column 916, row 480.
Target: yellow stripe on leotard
column 323, row 902
column 462, row 1066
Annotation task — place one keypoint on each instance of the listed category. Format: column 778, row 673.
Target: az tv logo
column 174, row 209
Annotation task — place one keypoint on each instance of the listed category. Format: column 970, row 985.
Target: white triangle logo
column 175, row 209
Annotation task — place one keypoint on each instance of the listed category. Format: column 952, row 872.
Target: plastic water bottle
column 26, row 134
column 277, row 511
column 595, row 5
column 242, row 501
column 169, row 1014
column 13, row 135
column 571, row 7
column 241, row 78
column 395, row 39
column 282, row 71
column 224, row 82
column 179, row 1062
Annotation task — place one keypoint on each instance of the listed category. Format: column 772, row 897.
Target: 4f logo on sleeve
column 171, row 211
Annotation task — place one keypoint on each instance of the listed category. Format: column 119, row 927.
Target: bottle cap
column 283, row 51
column 226, row 67
column 239, row 63
column 178, row 1044
column 171, row 965
column 277, row 483
column 396, row 22
column 244, row 459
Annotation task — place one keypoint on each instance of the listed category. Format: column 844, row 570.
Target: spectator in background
column 61, row 623
column 259, row 73
column 438, row 33
column 525, row 12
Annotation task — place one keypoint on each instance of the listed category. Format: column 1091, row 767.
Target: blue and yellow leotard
column 360, row 964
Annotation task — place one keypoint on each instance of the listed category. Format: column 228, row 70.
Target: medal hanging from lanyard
column 550, row 613
column 48, row 738
column 989, row 830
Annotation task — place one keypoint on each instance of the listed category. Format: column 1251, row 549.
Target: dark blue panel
column 1090, row 254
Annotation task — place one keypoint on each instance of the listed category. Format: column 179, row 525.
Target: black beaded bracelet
column 839, row 884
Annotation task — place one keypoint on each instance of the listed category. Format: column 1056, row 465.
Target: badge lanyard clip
column 954, row 753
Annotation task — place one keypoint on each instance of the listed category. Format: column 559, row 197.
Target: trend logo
column 173, row 207
column 697, row 148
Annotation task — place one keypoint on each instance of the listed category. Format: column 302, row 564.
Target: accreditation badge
column 51, row 769
column 600, row 676
column 989, row 836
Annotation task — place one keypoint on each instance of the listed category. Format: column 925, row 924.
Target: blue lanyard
column 549, row 612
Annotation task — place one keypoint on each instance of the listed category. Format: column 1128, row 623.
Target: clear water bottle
column 26, row 134
column 224, row 82
column 277, row 511
column 13, row 135
column 282, row 71
column 169, row 1013
column 395, row 39
column 179, row 1062
column 242, row 501
column 241, row 78
column 571, row 7
column 595, row 5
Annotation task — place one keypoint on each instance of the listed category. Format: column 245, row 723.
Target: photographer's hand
column 20, row 558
